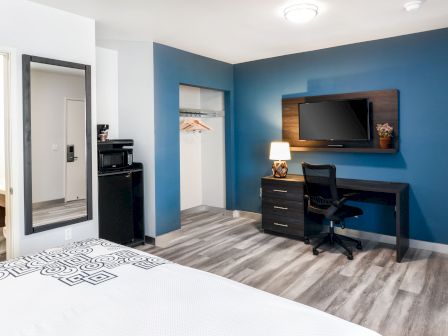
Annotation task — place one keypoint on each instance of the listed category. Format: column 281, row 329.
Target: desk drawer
column 281, row 190
column 274, row 206
column 282, row 224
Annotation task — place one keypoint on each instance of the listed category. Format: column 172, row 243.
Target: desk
column 284, row 208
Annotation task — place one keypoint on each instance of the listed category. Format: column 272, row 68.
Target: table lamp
column 279, row 153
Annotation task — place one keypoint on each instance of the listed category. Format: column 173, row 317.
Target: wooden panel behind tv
column 384, row 108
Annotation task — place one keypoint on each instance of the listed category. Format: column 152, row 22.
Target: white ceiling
column 243, row 30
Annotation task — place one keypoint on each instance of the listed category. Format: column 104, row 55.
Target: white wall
column 107, row 89
column 136, row 111
column 30, row 28
column 202, row 155
column 190, row 170
column 2, row 126
column 213, row 164
column 189, row 97
column 48, row 136
column 190, row 153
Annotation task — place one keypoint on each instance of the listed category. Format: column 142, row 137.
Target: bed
column 95, row 287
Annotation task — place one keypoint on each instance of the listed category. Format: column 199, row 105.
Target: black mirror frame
column 27, row 164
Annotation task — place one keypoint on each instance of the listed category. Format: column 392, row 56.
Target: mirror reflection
column 58, row 144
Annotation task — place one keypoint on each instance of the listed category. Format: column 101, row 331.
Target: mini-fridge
column 120, row 202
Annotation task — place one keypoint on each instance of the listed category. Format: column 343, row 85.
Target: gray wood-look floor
column 63, row 211
column 394, row 299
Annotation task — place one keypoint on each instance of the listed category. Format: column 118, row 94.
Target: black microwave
column 112, row 156
column 115, row 159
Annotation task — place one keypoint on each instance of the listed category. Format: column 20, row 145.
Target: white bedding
column 98, row 288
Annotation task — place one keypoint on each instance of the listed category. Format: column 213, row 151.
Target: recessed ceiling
column 237, row 31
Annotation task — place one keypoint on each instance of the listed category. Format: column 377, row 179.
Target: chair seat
column 345, row 211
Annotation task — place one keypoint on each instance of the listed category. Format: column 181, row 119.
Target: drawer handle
column 279, row 207
column 279, row 224
column 280, row 190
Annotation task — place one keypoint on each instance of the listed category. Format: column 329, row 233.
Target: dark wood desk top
column 352, row 184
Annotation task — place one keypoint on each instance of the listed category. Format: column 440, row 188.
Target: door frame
column 226, row 110
column 7, row 56
column 65, row 141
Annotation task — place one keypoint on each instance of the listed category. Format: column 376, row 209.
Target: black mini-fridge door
column 116, row 207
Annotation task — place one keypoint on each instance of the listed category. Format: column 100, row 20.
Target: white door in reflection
column 75, row 186
column 58, row 144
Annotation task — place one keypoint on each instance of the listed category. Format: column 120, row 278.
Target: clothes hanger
column 193, row 125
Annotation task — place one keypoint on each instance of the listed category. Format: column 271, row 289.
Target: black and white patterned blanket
column 89, row 261
column 97, row 288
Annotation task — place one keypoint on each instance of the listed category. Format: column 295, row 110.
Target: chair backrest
column 320, row 183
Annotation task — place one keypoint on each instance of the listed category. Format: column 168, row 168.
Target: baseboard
column 150, row 240
column 192, row 211
column 380, row 238
column 39, row 205
column 208, row 208
column 164, row 240
column 413, row 243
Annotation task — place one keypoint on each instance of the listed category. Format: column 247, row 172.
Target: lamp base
column 279, row 169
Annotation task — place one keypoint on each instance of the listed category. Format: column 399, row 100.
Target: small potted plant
column 385, row 132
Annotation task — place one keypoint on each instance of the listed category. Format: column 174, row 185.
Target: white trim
column 380, row 238
column 413, row 243
column 424, row 245
column 7, row 54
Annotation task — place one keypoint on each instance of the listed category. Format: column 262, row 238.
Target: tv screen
column 339, row 120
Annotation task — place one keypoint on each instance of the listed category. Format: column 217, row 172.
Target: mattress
column 95, row 287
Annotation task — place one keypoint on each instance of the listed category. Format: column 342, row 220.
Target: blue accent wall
column 416, row 65
column 173, row 67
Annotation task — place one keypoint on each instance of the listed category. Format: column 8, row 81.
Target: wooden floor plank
column 405, row 299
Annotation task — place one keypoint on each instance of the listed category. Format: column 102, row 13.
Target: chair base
column 333, row 238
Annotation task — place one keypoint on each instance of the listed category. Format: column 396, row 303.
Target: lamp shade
column 280, row 151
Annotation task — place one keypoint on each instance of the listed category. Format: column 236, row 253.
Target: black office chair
column 323, row 199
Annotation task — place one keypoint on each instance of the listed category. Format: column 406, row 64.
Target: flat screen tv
column 338, row 120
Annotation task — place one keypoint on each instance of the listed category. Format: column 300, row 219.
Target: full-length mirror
column 57, row 143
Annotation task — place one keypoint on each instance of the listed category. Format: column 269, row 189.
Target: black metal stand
column 332, row 238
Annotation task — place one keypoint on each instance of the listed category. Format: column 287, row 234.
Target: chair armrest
column 339, row 202
column 335, row 207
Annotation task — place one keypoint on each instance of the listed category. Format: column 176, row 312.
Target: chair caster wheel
column 307, row 241
column 315, row 251
column 359, row 246
column 350, row 257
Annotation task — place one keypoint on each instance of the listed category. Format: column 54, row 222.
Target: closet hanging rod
column 200, row 113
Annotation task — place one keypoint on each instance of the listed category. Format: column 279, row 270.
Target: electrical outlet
column 68, row 234
column 236, row 214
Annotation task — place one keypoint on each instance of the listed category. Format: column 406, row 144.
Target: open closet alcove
column 202, row 147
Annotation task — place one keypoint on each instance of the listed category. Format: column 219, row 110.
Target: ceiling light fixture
column 413, row 5
column 300, row 13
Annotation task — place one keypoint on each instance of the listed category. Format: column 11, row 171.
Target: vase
column 279, row 169
column 385, row 142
